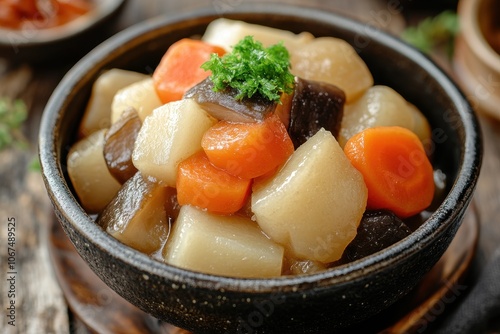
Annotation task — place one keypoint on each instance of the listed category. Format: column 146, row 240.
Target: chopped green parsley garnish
column 13, row 113
column 252, row 69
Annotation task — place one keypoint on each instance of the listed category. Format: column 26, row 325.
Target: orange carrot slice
column 201, row 184
column 248, row 150
column 179, row 69
column 396, row 170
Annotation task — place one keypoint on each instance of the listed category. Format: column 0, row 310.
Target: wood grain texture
column 40, row 306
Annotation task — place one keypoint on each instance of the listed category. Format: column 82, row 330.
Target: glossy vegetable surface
column 201, row 184
column 119, row 144
column 248, row 150
column 180, row 68
column 395, row 168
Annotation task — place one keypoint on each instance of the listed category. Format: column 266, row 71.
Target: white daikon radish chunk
column 136, row 216
column 334, row 61
column 98, row 111
column 382, row 106
column 314, row 204
column 222, row 245
column 227, row 33
column 140, row 96
column 169, row 135
column 421, row 126
column 89, row 174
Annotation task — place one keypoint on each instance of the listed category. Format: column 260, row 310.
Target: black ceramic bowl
column 322, row 302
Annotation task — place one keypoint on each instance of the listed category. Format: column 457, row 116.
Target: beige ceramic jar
column 477, row 54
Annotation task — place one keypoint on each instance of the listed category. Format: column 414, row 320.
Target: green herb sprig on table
column 252, row 69
column 433, row 32
column 13, row 113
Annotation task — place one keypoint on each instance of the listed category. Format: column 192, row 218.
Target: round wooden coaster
column 101, row 310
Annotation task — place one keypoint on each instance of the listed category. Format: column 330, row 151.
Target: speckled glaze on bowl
column 322, row 302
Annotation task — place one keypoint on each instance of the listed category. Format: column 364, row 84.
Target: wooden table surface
column 40, row 304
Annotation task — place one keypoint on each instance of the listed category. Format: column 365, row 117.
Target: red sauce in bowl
column 41, row 14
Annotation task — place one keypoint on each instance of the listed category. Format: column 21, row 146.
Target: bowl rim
column 64, row 201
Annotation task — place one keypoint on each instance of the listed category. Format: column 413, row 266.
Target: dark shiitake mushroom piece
column 315, row 105
column 377, row 230
column 223, row 106
column 139, row 215
column 119, row 145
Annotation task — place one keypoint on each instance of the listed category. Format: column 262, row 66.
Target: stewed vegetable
column 253, row 152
